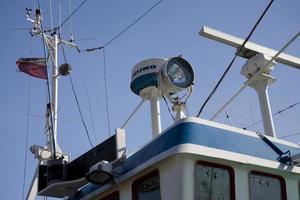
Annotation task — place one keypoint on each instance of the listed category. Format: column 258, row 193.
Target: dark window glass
column 266, row 186
column 147, row 187
column 113, row 196
column 213, row 182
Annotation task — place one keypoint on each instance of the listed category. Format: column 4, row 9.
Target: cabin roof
column 196, row 132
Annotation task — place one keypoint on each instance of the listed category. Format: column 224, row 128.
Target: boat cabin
column 197, row 159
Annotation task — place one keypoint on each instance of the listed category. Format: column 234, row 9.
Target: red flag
column 33, row 66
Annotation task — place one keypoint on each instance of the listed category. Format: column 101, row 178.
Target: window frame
column 111, row 195
column 222, row 166
column 278, row 177
column 137, row 181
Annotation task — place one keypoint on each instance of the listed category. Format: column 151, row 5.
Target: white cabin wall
column 170, row 172
column 241, row 182
column 125, row 191
column 188, row 178
column 291, row 187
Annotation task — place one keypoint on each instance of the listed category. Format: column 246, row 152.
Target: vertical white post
column 179, row 109
column 54, row 88
column 261, row 87
column 155, row 113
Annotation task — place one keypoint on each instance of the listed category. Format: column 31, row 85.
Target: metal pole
column 155, row 113
column 54, row 88
column 261, row 88
column 125, row 123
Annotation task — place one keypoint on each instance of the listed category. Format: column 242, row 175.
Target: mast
column 51, row 42
column 54, row 85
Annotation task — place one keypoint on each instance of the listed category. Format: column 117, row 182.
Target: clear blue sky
column 169, row 30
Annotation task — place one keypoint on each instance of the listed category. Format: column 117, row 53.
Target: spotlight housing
column 175, row 75
column 100, row 173
column 169, row 75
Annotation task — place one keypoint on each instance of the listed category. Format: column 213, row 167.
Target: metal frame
column 222, row 166
column 280, row 178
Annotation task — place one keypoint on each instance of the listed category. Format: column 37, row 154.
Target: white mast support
column 34, row 185
column 179, row 108
column 54, row 87
column 155, row 113
column 261, row 87
column 250, row 49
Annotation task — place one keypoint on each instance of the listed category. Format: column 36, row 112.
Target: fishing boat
column 193, row 158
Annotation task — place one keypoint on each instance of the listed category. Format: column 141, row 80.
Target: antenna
column 261, row 61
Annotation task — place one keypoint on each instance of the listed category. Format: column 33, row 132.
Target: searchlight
column 154, row 78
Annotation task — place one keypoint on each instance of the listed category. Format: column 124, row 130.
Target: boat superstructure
column 196, row 159
column 193, row 158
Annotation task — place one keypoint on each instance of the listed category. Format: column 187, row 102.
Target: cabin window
column 113, row 196
column 214, row 181
column 147, row 187
column 266, row 186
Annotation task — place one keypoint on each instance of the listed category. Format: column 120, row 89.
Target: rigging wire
column 77, row 101
column 277, row 113
column 48, row 87
column 232, row 61
column 290, row 135
column 90, row 109
column 80, row 112
column 89, row 104
column 106, row 91
column 165, row 100
column 61, row 24
column 26, row 140
column 124, row 30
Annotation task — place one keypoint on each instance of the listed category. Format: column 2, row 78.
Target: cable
column 106, row 92
column 89, row 104
column 168, row 107
column 77, row 101
column 290, row 135
column 277, row 113
column 26, row 140
column 90, row 109
column 232, row 61
column 80, row 112
column 71, row 15
column 133, row 23
column 122, row 32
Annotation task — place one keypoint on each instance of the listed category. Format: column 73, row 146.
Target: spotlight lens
column 98, row 177
column 180, row 72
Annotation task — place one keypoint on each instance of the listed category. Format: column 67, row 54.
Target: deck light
column 154, row 78
column 176, row 74
column 100, row 173
column 168, row 75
